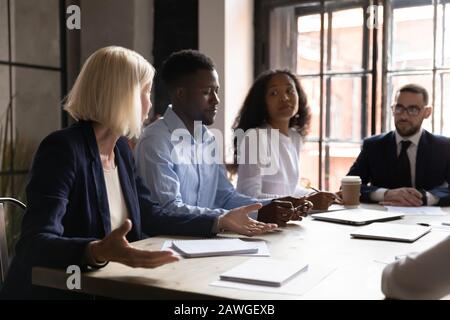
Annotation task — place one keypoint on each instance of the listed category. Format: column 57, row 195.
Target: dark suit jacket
column 376, row 165
column 68, row 206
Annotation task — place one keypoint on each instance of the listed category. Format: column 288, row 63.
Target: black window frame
column 304, row 8
column 379, row 66
column 389, row 72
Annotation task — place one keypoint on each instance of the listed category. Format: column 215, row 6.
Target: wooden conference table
column 357, row 265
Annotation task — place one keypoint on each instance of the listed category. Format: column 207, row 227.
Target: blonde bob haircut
column 108, row 90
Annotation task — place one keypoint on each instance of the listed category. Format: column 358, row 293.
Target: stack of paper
column 213, row 247
column 391, row 231
column 264, row 271
column 303, row 282
column 263, row 250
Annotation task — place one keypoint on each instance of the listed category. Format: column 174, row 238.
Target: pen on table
column 423, row 224
column 314, row 189
column 428, row 225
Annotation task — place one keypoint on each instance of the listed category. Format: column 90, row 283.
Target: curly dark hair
column 254, row 114
column 183, row 63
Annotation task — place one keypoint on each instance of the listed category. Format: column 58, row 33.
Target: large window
column 350, row 57
column 420, row 53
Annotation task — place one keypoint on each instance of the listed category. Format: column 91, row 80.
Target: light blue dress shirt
column 181, row 179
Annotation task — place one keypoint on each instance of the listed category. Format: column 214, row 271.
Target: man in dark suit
column 408, row 166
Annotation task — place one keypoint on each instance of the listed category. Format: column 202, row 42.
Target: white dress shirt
column 420, row 276
column 378, row 195
column 282, row 179
column 117, row 207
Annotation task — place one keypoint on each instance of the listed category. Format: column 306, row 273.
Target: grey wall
column 35, row 40
column 116, row 22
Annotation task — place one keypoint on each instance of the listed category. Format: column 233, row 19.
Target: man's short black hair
column 183, row 63
column 415, row 88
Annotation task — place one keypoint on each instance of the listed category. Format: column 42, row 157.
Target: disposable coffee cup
column 351, row 190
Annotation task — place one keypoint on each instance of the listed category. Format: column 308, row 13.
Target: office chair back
column 5, row 259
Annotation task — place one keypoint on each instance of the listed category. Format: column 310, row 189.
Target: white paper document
column 417, row 211
column 440, row 226
column 263, row 250
column 298, row 285
column 264, row 271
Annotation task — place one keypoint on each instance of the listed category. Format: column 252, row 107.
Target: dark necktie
column 404, row 166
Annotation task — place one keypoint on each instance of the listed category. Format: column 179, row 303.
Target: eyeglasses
column 411, row 110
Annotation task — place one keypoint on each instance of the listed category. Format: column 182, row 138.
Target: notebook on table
column 264, row 271
column 356, row 216
column 213, row 247
column 391, row 231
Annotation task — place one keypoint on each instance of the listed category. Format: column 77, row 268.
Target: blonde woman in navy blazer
column 68, row 220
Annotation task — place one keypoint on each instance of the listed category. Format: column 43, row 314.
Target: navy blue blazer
column 67, row 206
column 376, row 165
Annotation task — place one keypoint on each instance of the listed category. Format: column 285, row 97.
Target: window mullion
column 328, row 99
column 386, row 57
column 364, row 78
column 322, row 55
column 375, row 74
column 433, row 87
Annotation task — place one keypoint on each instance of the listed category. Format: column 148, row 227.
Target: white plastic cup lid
column 351, row 179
